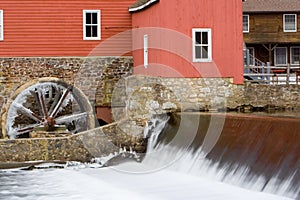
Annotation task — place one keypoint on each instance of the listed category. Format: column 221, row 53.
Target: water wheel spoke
column 70, row 118
column 23, row 130
column 44, row 107
column 55, row 102
column 41, row 102
column 28, row 112
column 60, row 102
column 35, row 94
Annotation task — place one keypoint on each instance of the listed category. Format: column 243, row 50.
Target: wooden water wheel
column 46, row 103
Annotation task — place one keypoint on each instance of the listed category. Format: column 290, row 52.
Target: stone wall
column 94, row 75
column 82, row 147
column 148, row 95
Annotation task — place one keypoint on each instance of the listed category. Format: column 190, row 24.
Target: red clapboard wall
column 55, row 27
column 170, row 43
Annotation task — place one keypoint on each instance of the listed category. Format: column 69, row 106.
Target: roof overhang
column 141, row 7
column 269, row 12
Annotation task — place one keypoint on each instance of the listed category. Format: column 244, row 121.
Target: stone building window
column 1, row 25
column 290, row 23
column 202, row 47
column 246, row 23
column 295, row 55
column 91, row 25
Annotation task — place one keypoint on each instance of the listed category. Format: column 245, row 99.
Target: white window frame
column 295, row 30
column 98, row 24
column 209, row 45
column 246, row 31
column 1, row 26
column 291, row 59
column 286, row 55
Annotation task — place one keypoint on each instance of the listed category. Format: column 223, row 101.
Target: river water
column 85, row 182
column 166, row 173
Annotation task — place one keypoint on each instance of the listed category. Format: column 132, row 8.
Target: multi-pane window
column 280, row 56
column 290, row 22
column 295, row 55
column 1, row 24
column 91, row 25
column 246, row 23
column 202, row 47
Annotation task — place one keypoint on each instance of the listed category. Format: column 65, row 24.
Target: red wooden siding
column 54, row 27
column 223, row 17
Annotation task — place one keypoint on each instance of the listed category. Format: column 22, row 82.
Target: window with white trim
column 202, row 45
column 246, row 23
column 280, row 56
column 91, row 25
column 1, row 25
column 295, row 55
column 290, row 23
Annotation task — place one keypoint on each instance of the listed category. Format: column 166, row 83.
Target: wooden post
column 268, row 71
column 288, row 74
column 270, row 49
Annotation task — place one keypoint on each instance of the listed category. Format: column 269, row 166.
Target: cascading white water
column 153, row 129
column 188, row 161
column 168, row 172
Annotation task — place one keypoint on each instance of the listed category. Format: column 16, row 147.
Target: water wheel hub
column 49, row 121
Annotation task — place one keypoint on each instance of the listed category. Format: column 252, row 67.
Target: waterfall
column 174, row 143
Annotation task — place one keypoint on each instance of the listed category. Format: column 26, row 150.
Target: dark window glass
column 88, row 18
column 94, row 18
column 198, row 52
column 94, row 31
column 204, row 38
column 295, row 54
column 204, row 52
column 88, row 31
column 198, row 38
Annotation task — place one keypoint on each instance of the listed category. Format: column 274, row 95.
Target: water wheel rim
column 76, row 93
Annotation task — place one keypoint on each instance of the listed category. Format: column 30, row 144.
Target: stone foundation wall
column 95, row 76
column 155, row 94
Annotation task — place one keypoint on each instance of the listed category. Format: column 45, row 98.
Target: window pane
column 245, row 23
column 295, row 54
column 204, row 52
column 88, row 32
column 290, row 22
column 204, row 38
column 280, row 56
column 202, row 46
column 198, row 37
column 88, row 18
column 94, row 18
column 94, row 31
column 198, row 52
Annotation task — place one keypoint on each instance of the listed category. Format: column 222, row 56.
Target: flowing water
column 176, row 166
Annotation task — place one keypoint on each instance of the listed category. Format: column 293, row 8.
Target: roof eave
column 141, row 7
column 271, row 11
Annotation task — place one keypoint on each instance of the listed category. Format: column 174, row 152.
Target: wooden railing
column 266, row 74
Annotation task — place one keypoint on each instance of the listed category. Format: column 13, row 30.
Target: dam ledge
column 127, row 135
